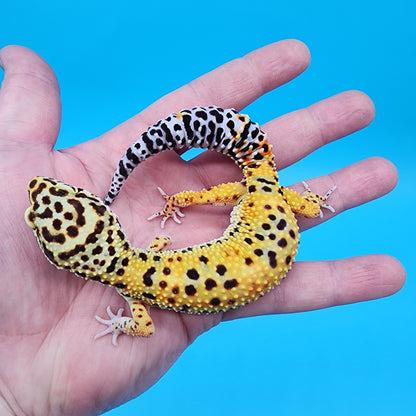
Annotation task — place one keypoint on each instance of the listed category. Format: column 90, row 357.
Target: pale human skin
column 49, row 360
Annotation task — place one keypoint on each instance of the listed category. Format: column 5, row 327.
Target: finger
column 296, row 134
column 239, row 82
column 234, row 84
column 317, row 285
column 30, row 104
column 356, row 184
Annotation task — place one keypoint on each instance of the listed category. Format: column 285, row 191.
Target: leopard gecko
column 78, row 232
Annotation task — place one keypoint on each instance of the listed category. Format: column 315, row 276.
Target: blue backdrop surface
column 114, row 60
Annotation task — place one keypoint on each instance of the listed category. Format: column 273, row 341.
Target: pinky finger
column 316, row 285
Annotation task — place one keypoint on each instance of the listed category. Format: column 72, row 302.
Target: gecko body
column 78, row 232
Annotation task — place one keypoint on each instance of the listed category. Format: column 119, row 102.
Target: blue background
column 114, row 60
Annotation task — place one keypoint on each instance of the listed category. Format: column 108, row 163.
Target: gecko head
column 73, row 227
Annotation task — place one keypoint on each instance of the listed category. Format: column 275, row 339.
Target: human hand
column 49, row 360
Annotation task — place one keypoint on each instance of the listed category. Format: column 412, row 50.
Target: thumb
column 30, row 105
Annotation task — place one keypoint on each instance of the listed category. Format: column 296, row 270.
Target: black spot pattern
column 58, row 207
column 46, row 214
column 210, row 284
column 215, row 301
column 190, row 290
column 147, row 277
column 193, row 274
column 272, row 259
column 282, row 242
column 281, row 225
column 221, row 269
column 203, row 259
column 112, row 266
column 205, row 127
column 229, row 284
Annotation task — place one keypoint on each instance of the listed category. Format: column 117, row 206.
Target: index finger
column 240, row 81
column 234, row 84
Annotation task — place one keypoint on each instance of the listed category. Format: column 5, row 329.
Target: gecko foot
column 113, row 325
column 168, row 211
column 140, row 325
column 321, row 199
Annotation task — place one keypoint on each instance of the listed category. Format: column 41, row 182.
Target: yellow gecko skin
column 78, row 232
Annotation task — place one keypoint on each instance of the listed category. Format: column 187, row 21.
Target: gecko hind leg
column 307, row 204
column 140, row 324
column 170, row 210
column 320, row 199
column 219, row 195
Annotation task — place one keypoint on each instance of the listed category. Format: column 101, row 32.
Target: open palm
column 49, row 360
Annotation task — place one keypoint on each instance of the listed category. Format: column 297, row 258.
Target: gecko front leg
column 141, row 323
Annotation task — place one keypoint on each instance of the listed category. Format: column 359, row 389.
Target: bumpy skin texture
column 78, row 232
